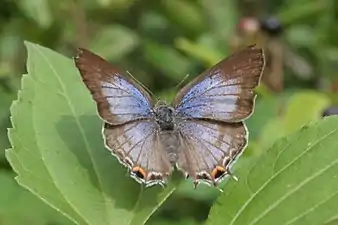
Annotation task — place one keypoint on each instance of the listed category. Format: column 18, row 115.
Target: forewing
column 225, row 92
column 118, row 99
column 137, row 146
column 209, row 148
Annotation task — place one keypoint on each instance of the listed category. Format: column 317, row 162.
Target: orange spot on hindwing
column 218, row 172
column 139, row 172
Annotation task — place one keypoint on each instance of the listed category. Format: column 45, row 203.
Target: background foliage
column 160, row 42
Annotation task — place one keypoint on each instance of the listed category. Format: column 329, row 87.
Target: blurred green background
column 162, row 41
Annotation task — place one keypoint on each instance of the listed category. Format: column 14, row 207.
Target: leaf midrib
column 237, row 215
column 105, row 199
column 14, row 108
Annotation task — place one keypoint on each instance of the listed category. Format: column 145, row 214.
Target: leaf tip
column 28, row 44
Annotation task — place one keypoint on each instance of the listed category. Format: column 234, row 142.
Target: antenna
column 142, row 85
column 181, row 82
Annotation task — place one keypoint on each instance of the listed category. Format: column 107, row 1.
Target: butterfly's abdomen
column 170, row 142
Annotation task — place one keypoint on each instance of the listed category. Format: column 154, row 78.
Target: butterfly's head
column 160, row 103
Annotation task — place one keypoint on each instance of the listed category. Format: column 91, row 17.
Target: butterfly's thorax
column 165, row 118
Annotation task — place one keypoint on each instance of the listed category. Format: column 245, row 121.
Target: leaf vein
column 296, row 188
column 312, row 208
column 278, row 173
column 79, row 126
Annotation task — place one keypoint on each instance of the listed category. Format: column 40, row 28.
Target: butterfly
column 201, row 133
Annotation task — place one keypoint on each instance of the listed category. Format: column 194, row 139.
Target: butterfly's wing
column 211, row 109
column 138, row 147
column 130, row 131
column 119, row 100
column 209, row 148
column 225, row 92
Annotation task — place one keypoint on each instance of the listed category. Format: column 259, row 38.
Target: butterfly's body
column 165, row 116
column 170, row 140
column 201, row 132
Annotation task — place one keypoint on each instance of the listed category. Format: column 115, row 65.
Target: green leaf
column 298, row 11
column 18, row 206
column 114, row 42
column 300, row 36
column 25, row 156
column 38, row 10
column 265, row 109
column 304, row 107
column 294, row 182
column 119, row 4
column 5, row 101
column 223, row 16
column 58, row 151
column 163, row 58
column 202, row 193
column 271, row 132
column 198, row 51
column 333, row 221
column 185, row 14
column 185, row 221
